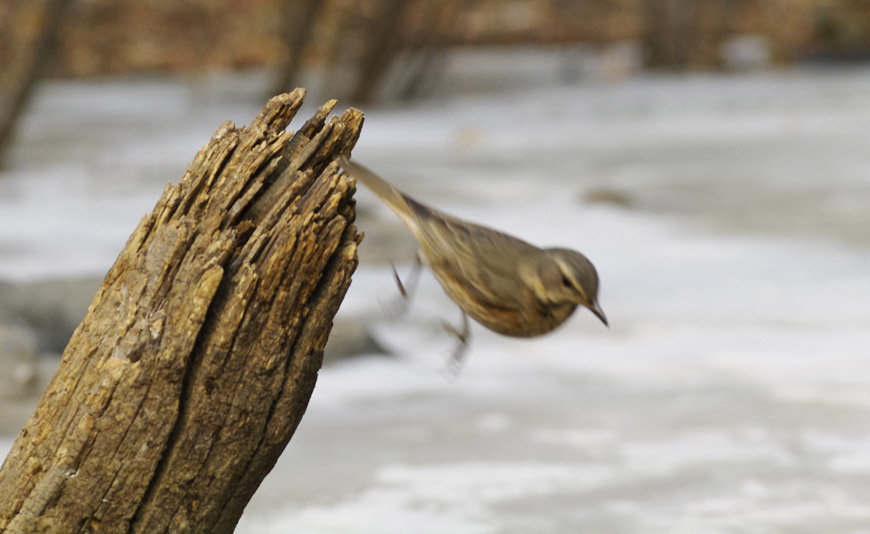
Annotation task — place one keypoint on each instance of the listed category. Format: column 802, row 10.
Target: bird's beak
column 596, row 309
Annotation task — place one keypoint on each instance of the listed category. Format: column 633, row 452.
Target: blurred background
column 711, row 157
column 397, row 49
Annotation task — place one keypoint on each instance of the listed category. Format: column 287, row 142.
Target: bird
column 506, row 284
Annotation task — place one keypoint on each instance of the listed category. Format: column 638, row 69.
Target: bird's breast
column 521, row 316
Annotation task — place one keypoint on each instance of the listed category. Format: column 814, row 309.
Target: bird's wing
column 486, row 262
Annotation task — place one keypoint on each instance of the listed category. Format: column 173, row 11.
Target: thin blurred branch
column 381, row 46
column 299, row 19
column 425, row 59
column 44, row 45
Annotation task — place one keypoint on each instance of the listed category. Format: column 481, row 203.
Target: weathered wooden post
column 196, row 359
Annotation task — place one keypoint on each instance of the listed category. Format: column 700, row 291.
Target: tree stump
column 195, row 362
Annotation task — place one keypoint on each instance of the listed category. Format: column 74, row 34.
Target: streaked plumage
column 506, row 284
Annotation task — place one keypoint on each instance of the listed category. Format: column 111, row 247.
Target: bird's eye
column 567, row 283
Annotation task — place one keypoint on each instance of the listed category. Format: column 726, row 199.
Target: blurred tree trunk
column 44, row 43
column 380, row 48
column 665, row 36
column 425, row 57
column 300, row 17
column 196, row 359
column 688, row 34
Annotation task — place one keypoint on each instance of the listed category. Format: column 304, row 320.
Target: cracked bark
column 195, row 362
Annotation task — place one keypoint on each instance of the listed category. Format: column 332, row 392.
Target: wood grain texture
column 195, row 362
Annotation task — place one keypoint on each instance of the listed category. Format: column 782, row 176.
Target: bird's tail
column 391, row 196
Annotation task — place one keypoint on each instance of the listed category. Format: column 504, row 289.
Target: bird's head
column 569, row 277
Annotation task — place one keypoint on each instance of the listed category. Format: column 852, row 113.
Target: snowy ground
column 732, row 391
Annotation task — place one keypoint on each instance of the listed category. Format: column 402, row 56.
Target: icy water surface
column 731, row 393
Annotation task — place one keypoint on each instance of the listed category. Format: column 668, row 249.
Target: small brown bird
column 506, row 284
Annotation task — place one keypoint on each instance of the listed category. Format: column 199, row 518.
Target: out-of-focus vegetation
column 99, row 37
column 109, row 36
column 357, row 45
